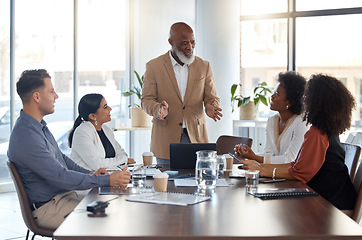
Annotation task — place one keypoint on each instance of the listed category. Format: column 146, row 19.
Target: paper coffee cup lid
column 147, row 154
column 160, row 175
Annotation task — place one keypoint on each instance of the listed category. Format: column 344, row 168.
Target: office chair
column 357, row 182
column 351, row 159
column 226, row 144
column 25, row 206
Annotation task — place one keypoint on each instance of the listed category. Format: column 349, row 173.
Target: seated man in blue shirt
column 49, row 176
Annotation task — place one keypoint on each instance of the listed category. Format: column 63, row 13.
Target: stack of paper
column 152, row 171
column 182, row 199
column 191, row 182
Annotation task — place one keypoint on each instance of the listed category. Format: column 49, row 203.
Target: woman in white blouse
column 285, row 130
column 93, row 143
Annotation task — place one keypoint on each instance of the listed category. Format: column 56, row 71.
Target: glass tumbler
column 221, row 161
column 139, row 178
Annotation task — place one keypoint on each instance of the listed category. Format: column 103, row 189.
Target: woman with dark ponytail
column 93, row 143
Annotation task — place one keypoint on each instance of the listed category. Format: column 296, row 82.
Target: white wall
column 152, row 22
column 216, row 27
column 218, row 41
column 153, row 19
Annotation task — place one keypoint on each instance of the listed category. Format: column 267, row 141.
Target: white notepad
column 191, row 182
column 181, row 199
column 152, row 171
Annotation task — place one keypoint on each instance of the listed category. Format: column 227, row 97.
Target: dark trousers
column 184, row 139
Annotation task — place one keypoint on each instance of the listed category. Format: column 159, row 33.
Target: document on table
column 191, row 182
column 152, row 171
column 239, row 173
column 149, row 171
column 170, row 198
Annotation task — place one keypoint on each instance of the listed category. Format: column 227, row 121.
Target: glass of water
column 221, row 161
column 139, row 178
column 252, row 180
column 206, row 169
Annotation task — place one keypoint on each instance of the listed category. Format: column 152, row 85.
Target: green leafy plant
column 135, row 90
column 261, row 94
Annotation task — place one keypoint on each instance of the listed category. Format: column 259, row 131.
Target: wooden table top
column 230, row 214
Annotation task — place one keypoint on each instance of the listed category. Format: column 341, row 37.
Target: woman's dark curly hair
column 328, row 104
column 294, row 85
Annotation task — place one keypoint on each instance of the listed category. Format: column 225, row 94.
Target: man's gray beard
column 183, row 58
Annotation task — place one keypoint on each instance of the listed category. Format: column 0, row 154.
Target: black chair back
column 351, row 158
column 226, row 144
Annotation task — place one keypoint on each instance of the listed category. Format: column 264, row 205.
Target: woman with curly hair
column 285, row 130
column 320, row 163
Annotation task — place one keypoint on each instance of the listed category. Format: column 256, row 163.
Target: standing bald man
column 178, row 88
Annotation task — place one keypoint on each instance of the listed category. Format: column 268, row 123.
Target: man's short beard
column 183, row 58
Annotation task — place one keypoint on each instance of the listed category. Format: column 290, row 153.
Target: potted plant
column 138, row 116
column 247, row 108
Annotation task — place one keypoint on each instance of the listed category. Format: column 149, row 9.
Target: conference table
column 231, row 213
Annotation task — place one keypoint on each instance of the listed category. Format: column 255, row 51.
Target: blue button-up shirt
column 43, row 168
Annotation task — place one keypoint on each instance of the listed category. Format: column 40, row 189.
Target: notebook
column 169, row 198
column 183, row 155
column 191, row 182
column 274, row 193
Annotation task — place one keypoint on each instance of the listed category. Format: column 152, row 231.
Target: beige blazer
column 160, row 84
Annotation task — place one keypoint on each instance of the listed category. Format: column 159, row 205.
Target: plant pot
column 139, row 118
column 247, row 112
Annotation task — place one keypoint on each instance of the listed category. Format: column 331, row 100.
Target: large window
column 327, row 45
column 317, row 37
column 4, row 85
column 44, row 37
column 102, row 55
column 263, row 52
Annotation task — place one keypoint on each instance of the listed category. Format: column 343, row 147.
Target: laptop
column 183, row 155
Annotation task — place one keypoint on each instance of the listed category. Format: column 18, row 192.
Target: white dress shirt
column 182, row 74
column 290, row 142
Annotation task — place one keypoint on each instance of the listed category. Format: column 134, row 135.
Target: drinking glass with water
column 139, row 178
column 221, row 161
column 206, row 171
column 252, row 180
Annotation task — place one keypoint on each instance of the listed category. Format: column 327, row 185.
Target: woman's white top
column 283, row 148
column 88, row 150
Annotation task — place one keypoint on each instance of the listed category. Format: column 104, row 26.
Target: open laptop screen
column 183, row 155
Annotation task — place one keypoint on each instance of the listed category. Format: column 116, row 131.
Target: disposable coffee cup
column 229, row 162
column 147, row 158
column 160, row 182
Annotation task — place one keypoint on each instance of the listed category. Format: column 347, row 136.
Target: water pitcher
column 206, row 170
